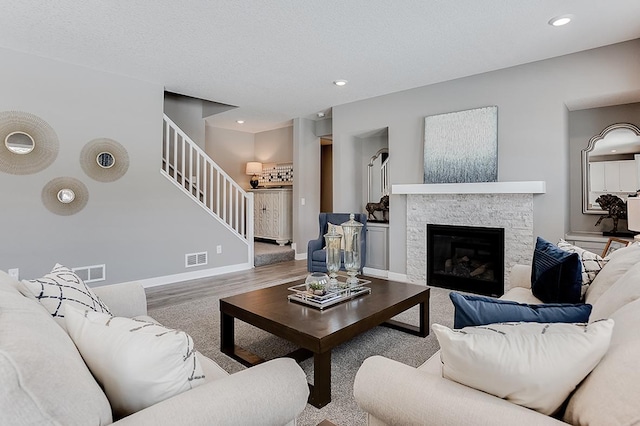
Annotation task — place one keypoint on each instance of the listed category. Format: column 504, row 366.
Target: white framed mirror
column 19, row 143
column 610, row 165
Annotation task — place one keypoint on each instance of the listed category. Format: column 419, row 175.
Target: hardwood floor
column 223, row 285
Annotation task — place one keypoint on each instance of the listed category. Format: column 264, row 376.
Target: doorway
column 326, row 174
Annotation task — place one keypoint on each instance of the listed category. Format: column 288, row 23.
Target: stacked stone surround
column 513, row 212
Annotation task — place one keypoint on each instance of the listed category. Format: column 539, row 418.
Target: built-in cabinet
column 378, row 246
column 613, row 176
column 591, row 241
column 272, row 213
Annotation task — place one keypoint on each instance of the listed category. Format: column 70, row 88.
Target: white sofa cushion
column 530, row 364
column 625, row 290
column 43, row 378
column 609, row 395
column 620, row 261
column 60, row 288
column 139, row 363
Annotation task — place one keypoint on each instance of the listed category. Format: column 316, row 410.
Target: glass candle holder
column 332, row 242
column 352, row 237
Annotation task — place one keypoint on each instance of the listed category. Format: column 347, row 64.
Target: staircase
column 187, row 166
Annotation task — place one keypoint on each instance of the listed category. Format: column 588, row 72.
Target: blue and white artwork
column 461, row 146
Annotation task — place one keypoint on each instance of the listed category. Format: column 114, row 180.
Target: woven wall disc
column 46, row 142
column 54, row 186
column 89, row 160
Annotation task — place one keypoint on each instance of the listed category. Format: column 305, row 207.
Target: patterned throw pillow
column 535, row 365
column 138, row 363
column 60, row 288
column 591, row 263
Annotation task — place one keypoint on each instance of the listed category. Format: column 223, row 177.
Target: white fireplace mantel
column 525, row 187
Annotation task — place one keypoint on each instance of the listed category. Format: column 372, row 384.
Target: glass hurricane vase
column 332, row 242
column 352, row 238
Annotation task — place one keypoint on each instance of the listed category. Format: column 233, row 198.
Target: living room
column 140, row 226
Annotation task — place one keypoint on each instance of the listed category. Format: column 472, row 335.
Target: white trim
column 379, row 273
column 394, row 276
column 301, row 256
column 185, row 276
column 525, row 187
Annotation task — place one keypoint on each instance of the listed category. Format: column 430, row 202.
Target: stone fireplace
column 507, row 205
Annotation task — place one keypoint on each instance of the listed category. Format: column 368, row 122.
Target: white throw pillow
column 625, row 290
column 591, row 263
column 60, row 288
column 620, row 261
column 138, row 363
column 535, row 365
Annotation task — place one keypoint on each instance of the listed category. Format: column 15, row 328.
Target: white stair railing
column 186, row 165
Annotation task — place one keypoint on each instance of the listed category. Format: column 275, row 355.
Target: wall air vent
column 195, row 259
column 91, row 274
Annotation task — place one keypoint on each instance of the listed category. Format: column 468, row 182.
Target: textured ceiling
column 276, row 60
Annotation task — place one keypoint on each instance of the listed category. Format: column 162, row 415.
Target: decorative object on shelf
column 633, row 215
column 332, row 242
column 254, row 168
column 276, row 174
column 609, row 164
column 382, row 206
column 317, row 283
column 352, row 236
column 65, row 196
column 104, row 160
column 29, row 144
column 614, row 244
column 461, row 146
column 616, row 208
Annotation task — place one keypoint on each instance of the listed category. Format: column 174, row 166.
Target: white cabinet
column 613, row 176
column 378, row 246
column 272, row 213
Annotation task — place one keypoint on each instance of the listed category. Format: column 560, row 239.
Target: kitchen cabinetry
column 272, row 214
column 613, row 176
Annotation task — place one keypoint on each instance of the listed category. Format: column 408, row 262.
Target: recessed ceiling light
column 614, row 150
column 340, row 82
column 320, row 114
column 240, row 121
column 561, row 20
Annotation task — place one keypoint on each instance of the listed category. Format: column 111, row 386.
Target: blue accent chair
column 317, row 256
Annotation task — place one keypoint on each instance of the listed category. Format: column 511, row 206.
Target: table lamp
column 254, row 168
column 633, row 215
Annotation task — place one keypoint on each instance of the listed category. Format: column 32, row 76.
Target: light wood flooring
column 223, row 285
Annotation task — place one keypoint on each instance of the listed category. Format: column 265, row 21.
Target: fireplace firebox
column 466, row 258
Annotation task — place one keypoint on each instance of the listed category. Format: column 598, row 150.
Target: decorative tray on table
column 331, row 297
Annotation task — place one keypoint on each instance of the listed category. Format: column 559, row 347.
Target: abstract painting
column 461, row 146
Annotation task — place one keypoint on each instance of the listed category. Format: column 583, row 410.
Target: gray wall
column 274, row 146
column 187, row 113
column 141, row 225
column 533, row 137
column 583, row 125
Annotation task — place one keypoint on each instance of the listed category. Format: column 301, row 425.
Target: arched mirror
column 19, row 142
column 610, row 165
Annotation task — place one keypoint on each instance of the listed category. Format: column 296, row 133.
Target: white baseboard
column 301, row 256
column 186, row 276
column 379, row 273
column 394, row 276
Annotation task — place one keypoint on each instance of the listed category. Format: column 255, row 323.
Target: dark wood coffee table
column 317, row 332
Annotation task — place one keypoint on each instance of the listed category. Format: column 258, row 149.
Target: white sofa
column 44, row 380
column 393, row 393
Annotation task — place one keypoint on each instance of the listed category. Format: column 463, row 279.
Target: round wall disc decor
column 104, row 160
column 65, row 196
column 28, row 144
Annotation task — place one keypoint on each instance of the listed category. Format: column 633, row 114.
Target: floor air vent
column 91, row 274
column 195, row 259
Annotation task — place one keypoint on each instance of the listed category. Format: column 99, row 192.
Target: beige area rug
column 201, row 319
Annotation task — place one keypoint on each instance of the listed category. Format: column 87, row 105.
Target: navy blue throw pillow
column 556, row 275
column 471, row 311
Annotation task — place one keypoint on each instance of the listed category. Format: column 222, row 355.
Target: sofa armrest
column 273, row 393
column 520, row 276
column 398, row 394
column 124, row 300
column 312, row 246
